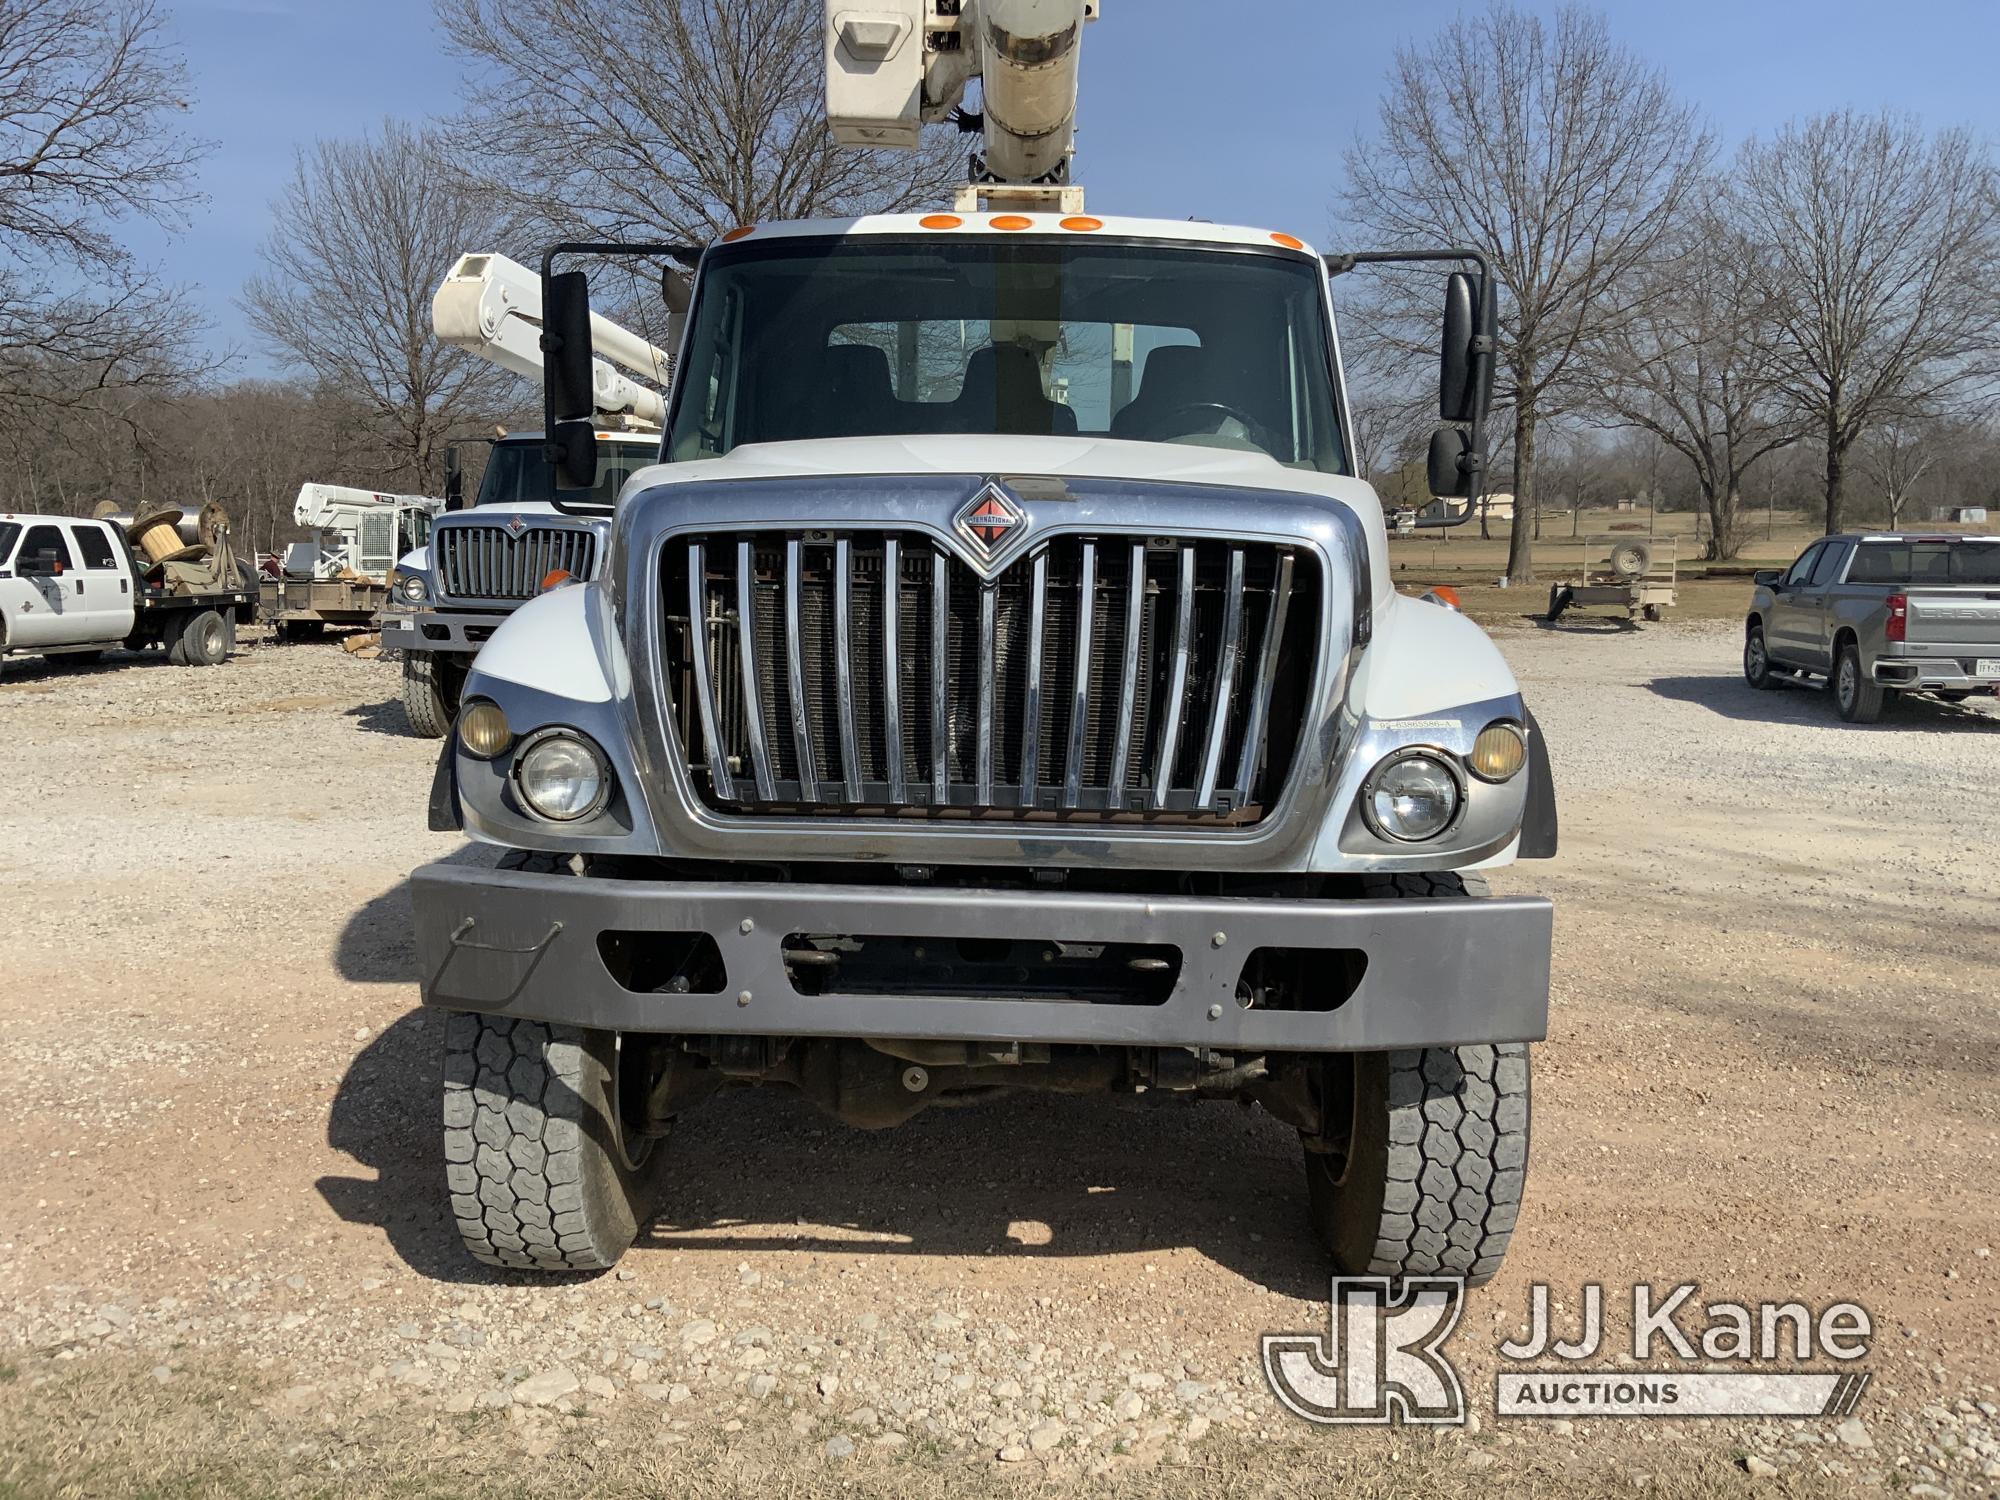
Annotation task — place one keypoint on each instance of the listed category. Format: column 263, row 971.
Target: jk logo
column 1382, row 1360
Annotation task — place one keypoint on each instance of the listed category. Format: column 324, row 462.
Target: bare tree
column 1559, row 153
column 668, row 118
column 1695, row 366
column 90, row 99
column 365, row 232
column 1897, row 458
column 1879, row 247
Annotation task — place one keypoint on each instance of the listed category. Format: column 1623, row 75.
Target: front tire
column 1757, row 660
column 1859, row 700
column 431, row 687
column 1423, row 1154
column 543, row 1173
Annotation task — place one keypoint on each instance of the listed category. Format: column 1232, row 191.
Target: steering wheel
column 1257, row 432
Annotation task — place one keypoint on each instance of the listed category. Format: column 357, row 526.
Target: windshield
column 517, row 473
column 867, row 336
column 1932, row 560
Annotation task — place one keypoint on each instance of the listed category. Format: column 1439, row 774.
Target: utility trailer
column 342, row 575
column 1639, row 575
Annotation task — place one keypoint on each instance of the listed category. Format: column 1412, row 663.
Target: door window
column 45, row 539
column 95, row 547
column 1831, row 556
column 1797, row 574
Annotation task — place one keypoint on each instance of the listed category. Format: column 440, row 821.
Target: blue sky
column 1179, row 118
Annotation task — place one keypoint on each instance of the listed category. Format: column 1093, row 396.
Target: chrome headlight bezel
column 1454, row 771
column 543, row 737
column 413, row 589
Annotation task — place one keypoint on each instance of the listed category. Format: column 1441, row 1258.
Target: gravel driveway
column 1771, row 1070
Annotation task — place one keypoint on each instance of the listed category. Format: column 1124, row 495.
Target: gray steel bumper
column 435, row 630
column 1437, row 972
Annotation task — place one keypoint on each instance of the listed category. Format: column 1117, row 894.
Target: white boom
column 321, row 505
column 893, row 66
column 492, row 306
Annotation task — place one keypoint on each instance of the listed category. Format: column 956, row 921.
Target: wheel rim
column 1753, row 655
column 1850, row 682
column 633, row 1147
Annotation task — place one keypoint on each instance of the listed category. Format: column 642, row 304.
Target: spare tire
column 1631, row 559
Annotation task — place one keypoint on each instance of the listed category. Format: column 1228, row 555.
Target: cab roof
column 1013, row 224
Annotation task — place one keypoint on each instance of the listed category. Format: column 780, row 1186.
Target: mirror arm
column 1485, row 350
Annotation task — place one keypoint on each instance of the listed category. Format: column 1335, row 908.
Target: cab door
column 43, row 599
column 1789, row 621
column 107, row 581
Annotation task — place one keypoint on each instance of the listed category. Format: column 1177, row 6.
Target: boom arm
column 492, row 306
column 893, row 66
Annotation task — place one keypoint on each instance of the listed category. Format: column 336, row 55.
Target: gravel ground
column 1770, row 1071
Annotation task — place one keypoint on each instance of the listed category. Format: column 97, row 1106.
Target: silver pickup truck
column 1877, row 616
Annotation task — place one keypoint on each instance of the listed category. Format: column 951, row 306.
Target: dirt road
column 1771, row 1070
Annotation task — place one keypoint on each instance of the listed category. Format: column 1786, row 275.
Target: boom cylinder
column 1029, row 52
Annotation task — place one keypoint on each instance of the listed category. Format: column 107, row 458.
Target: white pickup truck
column 71, row 588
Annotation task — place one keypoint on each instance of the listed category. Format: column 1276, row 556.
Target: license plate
column 1986, row 666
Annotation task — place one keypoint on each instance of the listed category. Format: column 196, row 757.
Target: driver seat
column 1175, row 375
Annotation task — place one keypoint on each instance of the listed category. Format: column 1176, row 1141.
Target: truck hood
column 1081, row 458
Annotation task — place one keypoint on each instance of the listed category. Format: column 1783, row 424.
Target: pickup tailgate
column 1955, row 617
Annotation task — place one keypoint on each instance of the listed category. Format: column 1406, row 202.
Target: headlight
column 1499, row 752
column 414, row 589
column 483, row 730
column 561, row 776
column 1410, row 797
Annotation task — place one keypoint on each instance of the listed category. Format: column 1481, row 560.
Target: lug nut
column 743, row 997
column 746, row 927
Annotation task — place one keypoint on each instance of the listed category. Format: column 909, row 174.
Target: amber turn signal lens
column 483, row 730
column 1499, row 752
column 1444, row 594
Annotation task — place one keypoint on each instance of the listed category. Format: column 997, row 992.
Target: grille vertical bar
column 1079, row 699
column 718, row 762
column 1031, row 703
column 1128, row 682
column 1170, row 726
column 843, row 655
column 795, row 672
column 940, row 678
column 989, row 607
column 1225, row 680
column 753, row 703
column 1267, row 674
column 892, row 668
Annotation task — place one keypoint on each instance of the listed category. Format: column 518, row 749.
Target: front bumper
column 1435, row 973
column 439, row 630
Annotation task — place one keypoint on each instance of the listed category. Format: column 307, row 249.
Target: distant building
column 1499, row 507
column 1970, row 515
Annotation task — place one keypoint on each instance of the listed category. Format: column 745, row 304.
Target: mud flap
column 444, row 813
column 1538, row 821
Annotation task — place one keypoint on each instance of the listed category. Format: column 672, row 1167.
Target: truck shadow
column 386, row 717
column 1029, row 1177
column 1733, row 698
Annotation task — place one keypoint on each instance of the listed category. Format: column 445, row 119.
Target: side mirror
column 1455, row 361
column 454, row 480
column 569, row 397
column 1453, row 464
column 1768, row 578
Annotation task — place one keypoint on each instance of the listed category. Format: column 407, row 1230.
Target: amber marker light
column 1082, row 223
column 1289, row 241
column 1013, row 221
column 741, row 231
column 940, row 221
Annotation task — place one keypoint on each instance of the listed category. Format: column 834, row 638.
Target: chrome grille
column 1108, row 675
column 489, row 562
